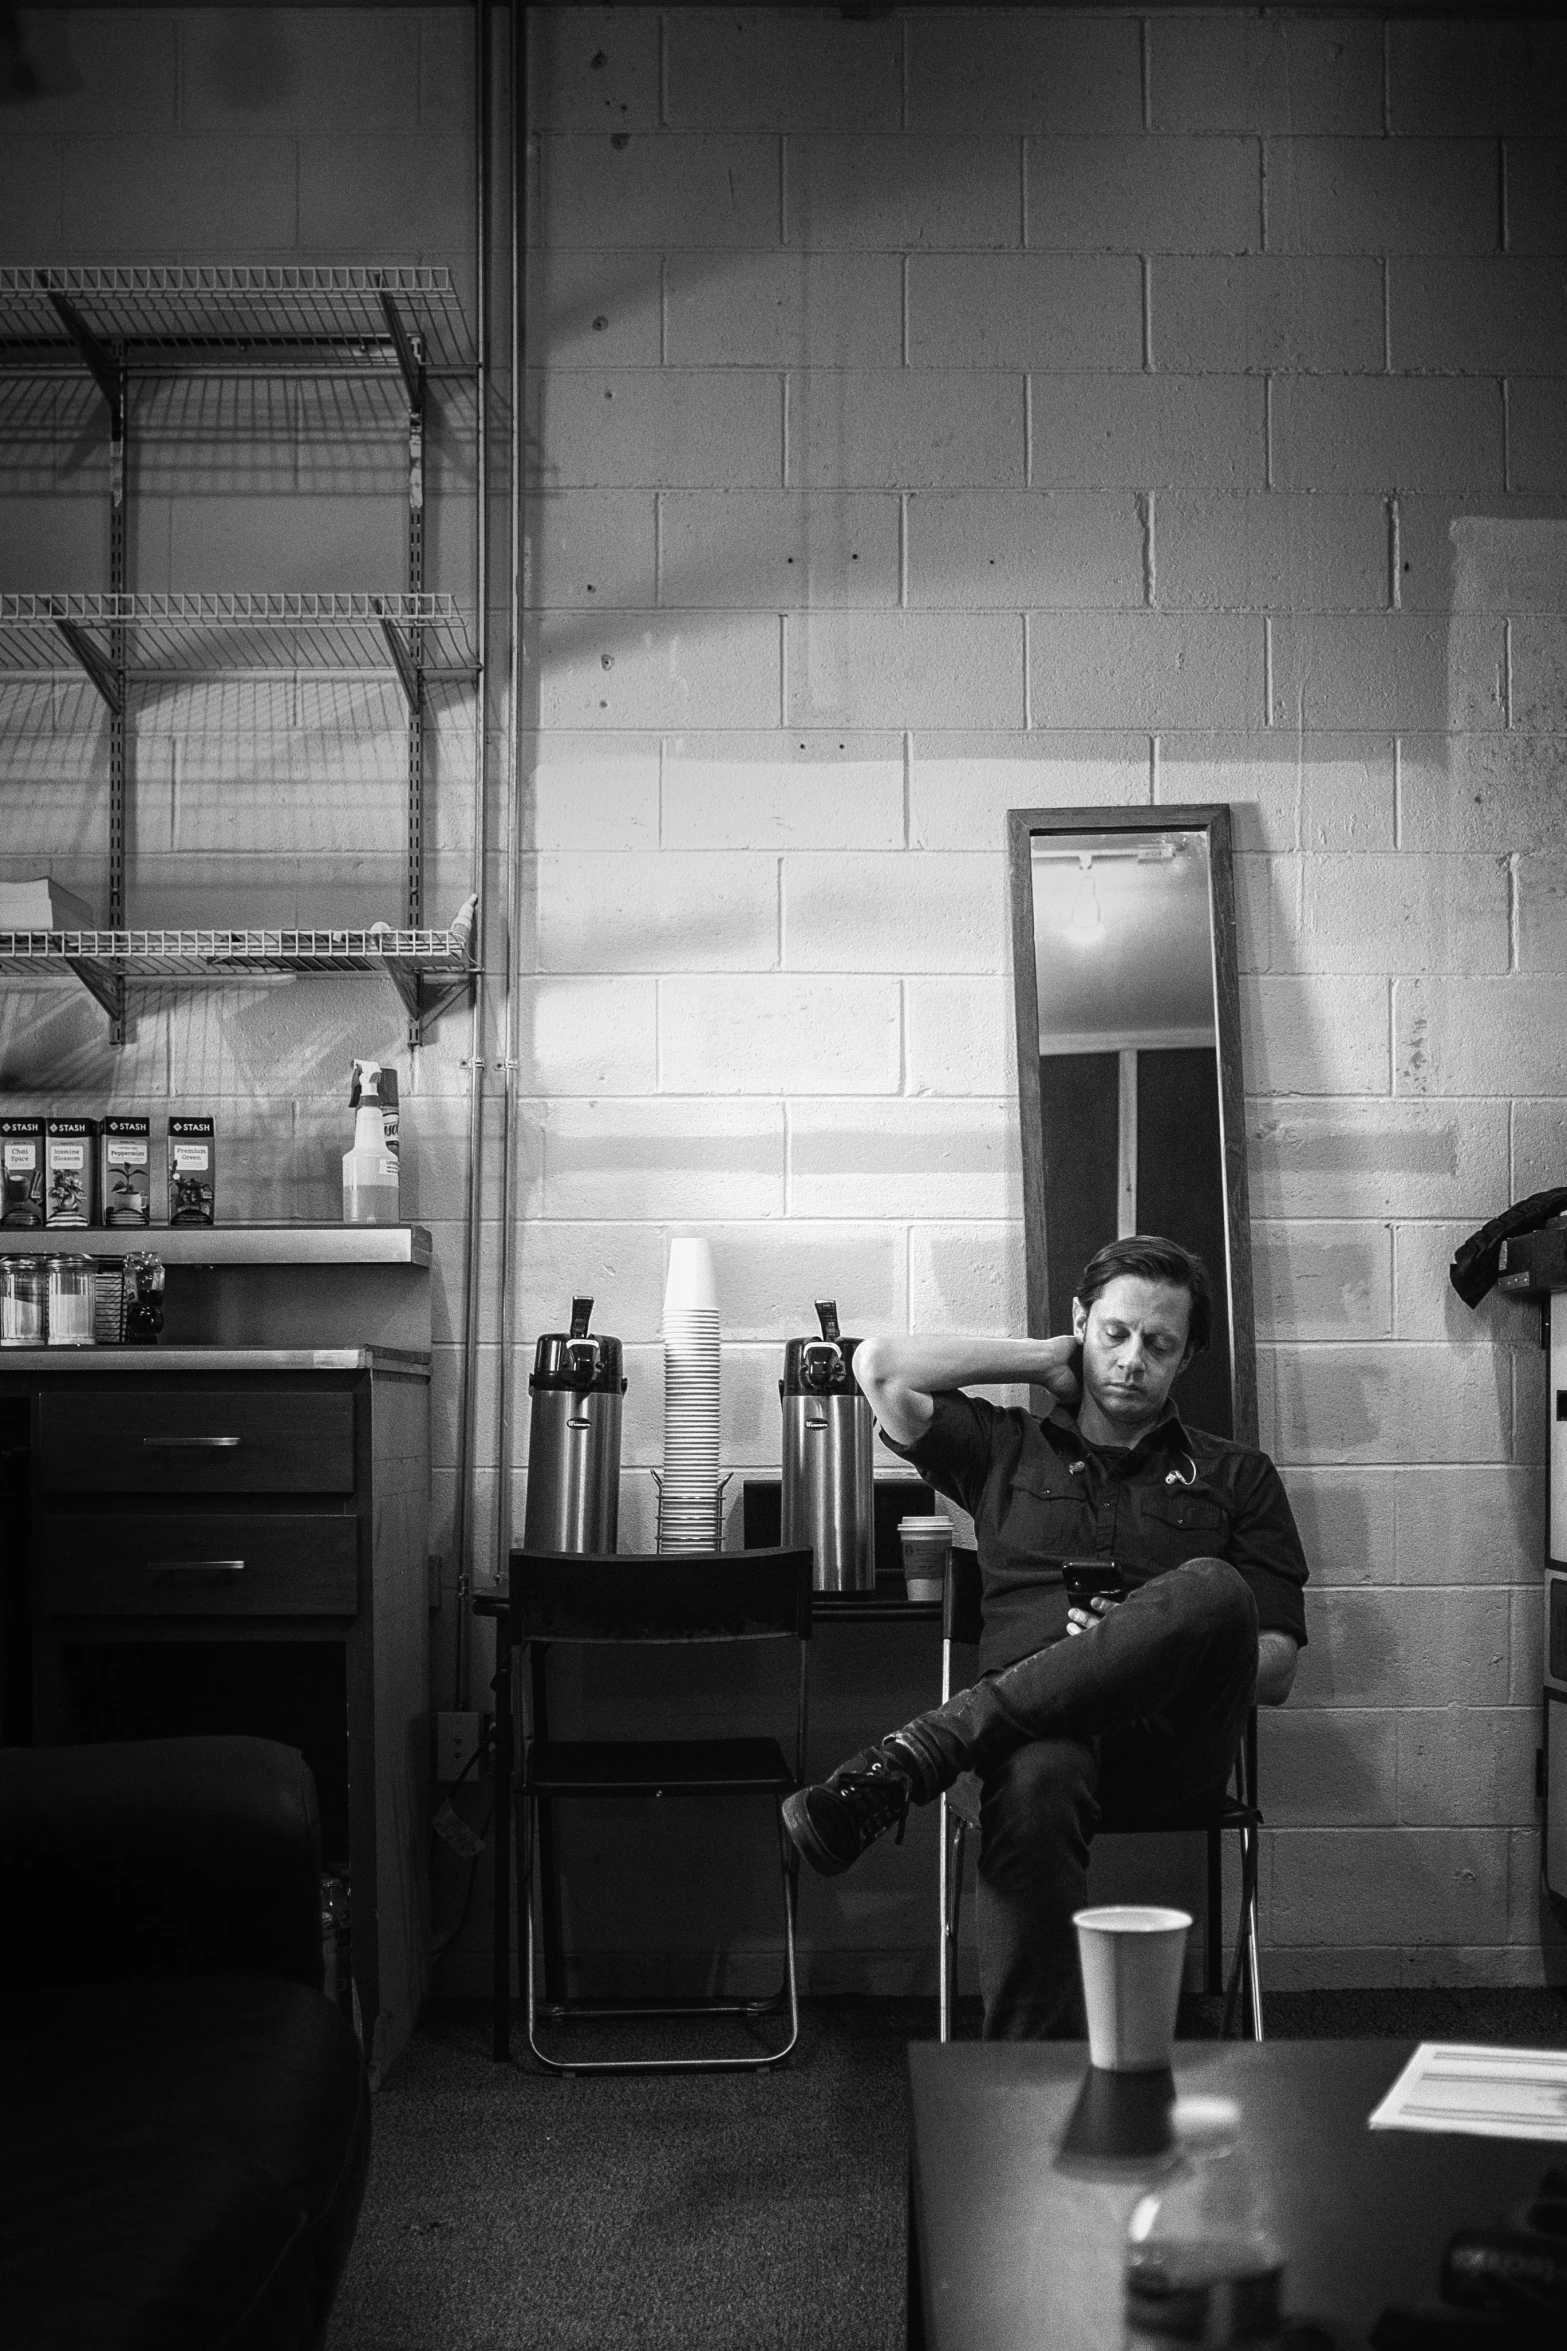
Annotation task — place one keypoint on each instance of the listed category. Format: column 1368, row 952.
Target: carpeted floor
column 508, row 2211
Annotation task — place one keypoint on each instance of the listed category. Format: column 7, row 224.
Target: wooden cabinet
column 158, row 1563
column 235, row 1539
column 210, row 1439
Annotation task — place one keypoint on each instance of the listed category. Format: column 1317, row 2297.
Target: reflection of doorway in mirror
column 1132, row 1144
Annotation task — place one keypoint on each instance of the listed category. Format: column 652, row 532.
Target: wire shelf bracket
column 95, row 662
column 95, row 356
column 105, row 987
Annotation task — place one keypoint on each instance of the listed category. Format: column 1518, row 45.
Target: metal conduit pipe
column 462, row 1514
column 518, row 146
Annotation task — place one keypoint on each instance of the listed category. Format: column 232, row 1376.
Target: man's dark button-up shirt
column 1037, row 1494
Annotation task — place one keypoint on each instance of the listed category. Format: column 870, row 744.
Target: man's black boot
column 834, row 1822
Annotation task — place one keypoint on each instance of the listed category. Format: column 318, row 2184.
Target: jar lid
column 77, row 1264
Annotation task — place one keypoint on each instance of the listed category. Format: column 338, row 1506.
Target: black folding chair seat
column 1227, row 1813
column 659, row 1767
column 962, row 1624
column 708, row 1598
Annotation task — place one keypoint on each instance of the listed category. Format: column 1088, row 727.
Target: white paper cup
column 1131, row 1956
column 927, row 1548
column 690, row 1287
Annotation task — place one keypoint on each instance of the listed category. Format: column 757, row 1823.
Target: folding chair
column 962, row 1623
column 694, row 1597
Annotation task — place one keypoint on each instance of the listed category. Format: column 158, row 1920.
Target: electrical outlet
column 456, row 1743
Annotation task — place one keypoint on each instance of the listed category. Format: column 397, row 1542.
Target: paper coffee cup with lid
column 927, row 1548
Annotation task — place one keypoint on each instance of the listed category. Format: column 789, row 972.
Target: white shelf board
column 408, row 1362
column 234, row 1244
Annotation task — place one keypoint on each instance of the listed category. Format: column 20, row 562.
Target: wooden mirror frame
column 1024, row 825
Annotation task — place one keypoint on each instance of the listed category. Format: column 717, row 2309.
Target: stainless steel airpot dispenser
column 827, row 1499
column 574, row 1442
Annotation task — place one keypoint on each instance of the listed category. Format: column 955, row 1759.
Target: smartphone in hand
column 1092, row 1579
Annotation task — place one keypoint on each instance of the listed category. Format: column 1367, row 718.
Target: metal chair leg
column 1244, row 1963
column 791, row 1890
column 789, row 1990
column 943, row 1976
column 525, row 1924
column 500, row 1929
column 954, row 1837
column 1254, row 1970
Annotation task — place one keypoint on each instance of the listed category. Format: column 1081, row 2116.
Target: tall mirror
column 1129, row 1066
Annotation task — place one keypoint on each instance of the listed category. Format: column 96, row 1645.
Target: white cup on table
column 1131, row 1956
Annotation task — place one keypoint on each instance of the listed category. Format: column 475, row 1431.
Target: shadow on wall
column 35, row 57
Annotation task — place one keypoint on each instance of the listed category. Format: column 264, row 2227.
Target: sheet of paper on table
column 1488, row 2093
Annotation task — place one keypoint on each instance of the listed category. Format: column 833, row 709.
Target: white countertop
column 133, row 1359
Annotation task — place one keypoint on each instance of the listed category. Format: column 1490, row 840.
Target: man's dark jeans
column 1142, row 1714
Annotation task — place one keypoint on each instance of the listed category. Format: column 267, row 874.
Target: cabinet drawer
column 275, row 1563
column 197, row 1441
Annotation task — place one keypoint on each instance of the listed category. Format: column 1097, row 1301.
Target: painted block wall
column 961, row 412
column 928, row 417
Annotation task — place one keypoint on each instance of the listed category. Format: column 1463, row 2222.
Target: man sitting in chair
column 1142, row 1710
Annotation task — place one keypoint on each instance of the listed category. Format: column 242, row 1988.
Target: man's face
column 1134, row 1339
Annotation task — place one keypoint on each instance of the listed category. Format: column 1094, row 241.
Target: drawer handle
column 196, row 1566
column 190, row 1444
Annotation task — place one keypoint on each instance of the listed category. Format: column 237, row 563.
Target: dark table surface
column 1013, row 2253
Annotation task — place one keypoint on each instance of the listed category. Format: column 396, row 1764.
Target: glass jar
column 72, row 1291
column 23, row 1283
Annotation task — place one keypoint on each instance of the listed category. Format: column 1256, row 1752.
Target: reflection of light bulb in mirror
column 1086, row 924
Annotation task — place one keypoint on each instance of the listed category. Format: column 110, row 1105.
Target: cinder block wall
column 930, row 417
column 962, row 412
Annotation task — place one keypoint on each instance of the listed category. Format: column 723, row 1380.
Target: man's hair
column 1154, row 1259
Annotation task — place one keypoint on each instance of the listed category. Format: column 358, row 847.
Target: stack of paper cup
column 688, row 1491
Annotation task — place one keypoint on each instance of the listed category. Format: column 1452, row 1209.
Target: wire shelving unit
column 403, row 325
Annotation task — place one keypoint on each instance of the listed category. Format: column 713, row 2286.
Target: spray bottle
column 386, row 1087
column 370, row 1169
